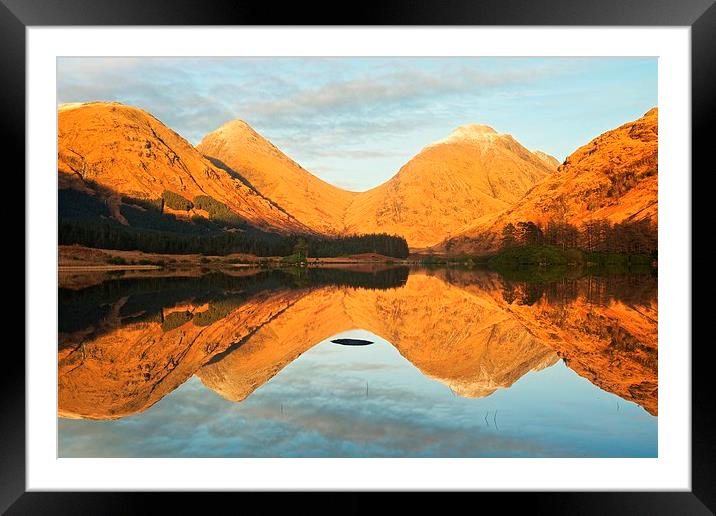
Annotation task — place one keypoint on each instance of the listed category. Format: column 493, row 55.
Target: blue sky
column 355, row 121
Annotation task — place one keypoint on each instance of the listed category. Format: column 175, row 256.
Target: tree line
column 629, row 237
column 380, row 243
column 86, row 219
column 108, row 234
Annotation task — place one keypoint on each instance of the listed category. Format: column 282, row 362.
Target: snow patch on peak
column 70, row 105
column 469, row 130
column 471, row 133
column 74, row 105
column 235, row 127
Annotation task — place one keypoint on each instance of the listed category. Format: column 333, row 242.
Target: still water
column 428, row 363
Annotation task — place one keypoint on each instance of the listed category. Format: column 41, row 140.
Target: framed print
column 434, row 248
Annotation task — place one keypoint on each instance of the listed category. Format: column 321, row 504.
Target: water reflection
column 127, row 342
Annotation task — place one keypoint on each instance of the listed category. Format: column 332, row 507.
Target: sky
column 355, row 121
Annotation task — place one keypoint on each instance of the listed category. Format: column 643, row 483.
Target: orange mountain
column 614, row 177
column 472, row 173
column 314, row 202
column 457, row 193
column 548, row 160
column 112, row 151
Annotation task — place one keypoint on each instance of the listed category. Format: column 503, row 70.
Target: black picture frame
column 700, row 15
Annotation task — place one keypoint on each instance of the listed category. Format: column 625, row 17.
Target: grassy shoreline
column 88, row 267
column 76, row 258
column 541, row 255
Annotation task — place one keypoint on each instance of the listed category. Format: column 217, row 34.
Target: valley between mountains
column 127, row 181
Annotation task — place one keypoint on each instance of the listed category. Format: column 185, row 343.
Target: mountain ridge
column 455, row 193
column 405, row 204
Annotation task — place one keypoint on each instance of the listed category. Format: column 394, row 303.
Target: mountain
column 547, row 159
column 612, row 178
column 472, row 173
column 313, row 202
column 119, row 160
column 119, row 163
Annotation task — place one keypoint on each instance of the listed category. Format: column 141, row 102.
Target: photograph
column 357, row 257
column 426, row 248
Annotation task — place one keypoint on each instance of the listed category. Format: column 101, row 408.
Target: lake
column 439, row 362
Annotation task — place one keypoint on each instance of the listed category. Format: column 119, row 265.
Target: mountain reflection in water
column 127, row 342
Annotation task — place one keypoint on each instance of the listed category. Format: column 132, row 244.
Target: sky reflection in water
column 369, row 401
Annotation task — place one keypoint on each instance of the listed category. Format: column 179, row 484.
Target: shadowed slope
column 128, row 152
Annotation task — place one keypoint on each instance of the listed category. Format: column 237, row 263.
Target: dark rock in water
column 352, row 342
